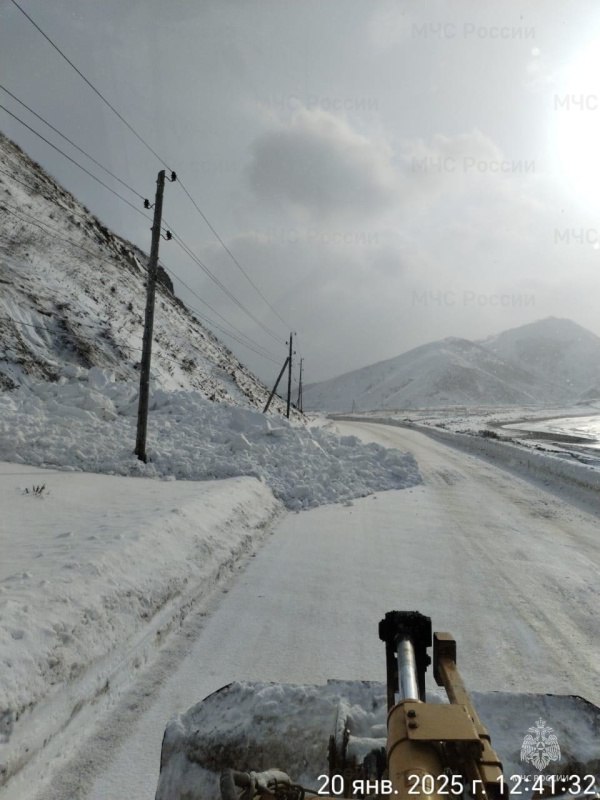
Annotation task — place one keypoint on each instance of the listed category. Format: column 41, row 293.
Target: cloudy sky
column 386, row 172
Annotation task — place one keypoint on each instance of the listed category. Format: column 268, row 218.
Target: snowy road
column 508, row 568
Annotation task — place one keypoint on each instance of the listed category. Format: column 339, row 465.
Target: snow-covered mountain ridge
column 548, row 361
column 73, row 295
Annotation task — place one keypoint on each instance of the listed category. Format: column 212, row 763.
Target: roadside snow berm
column 247, row 739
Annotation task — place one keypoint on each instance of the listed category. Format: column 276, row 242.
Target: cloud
column 391, row 24
column 340, row 289
column 449, row 165
column 383, row 249
column 315, row 169
column 317, row 166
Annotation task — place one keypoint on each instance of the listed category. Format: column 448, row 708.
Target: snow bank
column 95, row 572
column 88, row 421
column 524, row 459
column 517, row 457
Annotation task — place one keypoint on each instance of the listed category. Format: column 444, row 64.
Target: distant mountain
column 550, row 361
column 73, row 295
column 558, row 350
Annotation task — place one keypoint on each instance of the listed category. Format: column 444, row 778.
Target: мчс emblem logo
column 540, row 746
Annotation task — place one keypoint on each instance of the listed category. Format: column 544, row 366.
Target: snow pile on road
column 88, row 422
column 95, row 571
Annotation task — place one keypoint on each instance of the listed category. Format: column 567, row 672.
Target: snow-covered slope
column 559, row 348
column 550, row 361
column 73, row 296
column 449, row 372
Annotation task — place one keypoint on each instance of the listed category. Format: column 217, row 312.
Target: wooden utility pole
column 299, row 403
column 266, row 408
column 289, row 394
column 142, row 422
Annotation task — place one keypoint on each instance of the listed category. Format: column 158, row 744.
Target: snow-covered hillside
column 556, row 348
column 73, row 296
column 549, row 361
column 452, row 371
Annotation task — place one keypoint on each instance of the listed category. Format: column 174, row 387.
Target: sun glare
column 577, row 113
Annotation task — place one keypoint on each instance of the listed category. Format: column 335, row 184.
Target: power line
column 73, row 334
column 179, row 240
column 47, row 229
column 50, row 231
column 233, row 258
column 72, row 143
column 45, row 328
column 95, row 327
column 17, row 180
column 266, row 353
column 91, row 85
column 151, row 150
column 70, row 211
column 76, row 163
column 233, row 336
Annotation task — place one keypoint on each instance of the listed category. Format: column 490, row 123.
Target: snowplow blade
column 310, row 732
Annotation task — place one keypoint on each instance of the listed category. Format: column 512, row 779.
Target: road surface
column 508, row 568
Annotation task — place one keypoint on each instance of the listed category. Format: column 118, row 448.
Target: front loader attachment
column 367, row 739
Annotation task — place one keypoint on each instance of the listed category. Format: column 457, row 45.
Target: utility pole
column 287, row 364
column 266, row 408
column 289, row 393
column 299, row 403
column 142, row 421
